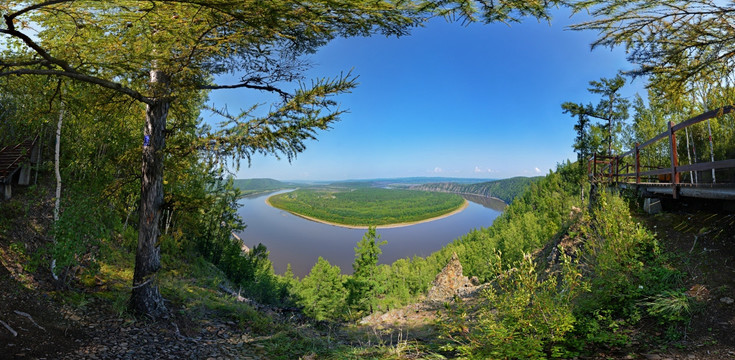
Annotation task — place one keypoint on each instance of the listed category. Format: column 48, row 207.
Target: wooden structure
column 15, row 165
column 625, row 170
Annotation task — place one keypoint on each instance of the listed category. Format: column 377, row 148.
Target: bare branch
column 246, row 85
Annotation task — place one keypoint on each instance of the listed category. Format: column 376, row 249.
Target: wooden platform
column 702, row 191
column 14, row 158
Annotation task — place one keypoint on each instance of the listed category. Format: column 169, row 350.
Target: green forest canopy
column 367, row 206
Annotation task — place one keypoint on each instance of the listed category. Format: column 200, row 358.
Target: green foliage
column 322, row 292
column 628, row 273
column 84, row 223
column 365, row 285
column 521, row 317
column 251, row 270
column 527, row 223
column 612, row 109
column 674, row 40
column 669, row 306
column 367, row 206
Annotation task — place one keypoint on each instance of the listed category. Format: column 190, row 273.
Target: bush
column 521, row 317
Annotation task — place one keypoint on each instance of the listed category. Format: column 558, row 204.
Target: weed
column 668, row 306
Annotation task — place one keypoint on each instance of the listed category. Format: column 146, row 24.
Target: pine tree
column 364, row 286
column 323, row 292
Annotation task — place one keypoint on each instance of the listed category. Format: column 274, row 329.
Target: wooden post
column 594, row 165
column 612, row 160
column 617, row 169
column 674, row 161
column 637, row 164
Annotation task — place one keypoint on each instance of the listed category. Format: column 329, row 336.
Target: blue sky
column 477, row 101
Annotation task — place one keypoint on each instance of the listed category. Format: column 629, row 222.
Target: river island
column 364, row 207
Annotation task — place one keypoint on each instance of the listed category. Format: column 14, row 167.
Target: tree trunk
column 145, row 298
column 57, row 200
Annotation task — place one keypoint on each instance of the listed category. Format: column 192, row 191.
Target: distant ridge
column 505, row 189
column 253, row 186
column 415, row 180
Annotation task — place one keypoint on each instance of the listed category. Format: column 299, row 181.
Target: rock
column 449, row 282
column 652, row 206
column 727, row 300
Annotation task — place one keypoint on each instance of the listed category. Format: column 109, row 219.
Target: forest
column 367, row 206
column 125, row 233
column 257, row 186
column 505, row 189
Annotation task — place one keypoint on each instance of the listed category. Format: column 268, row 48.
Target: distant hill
column 253, row 186
column 404, row 182
column 505, row 189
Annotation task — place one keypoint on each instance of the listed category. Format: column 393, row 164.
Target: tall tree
column 364, row 285
column 160, row 52
column 612, row 110
column 323, row 292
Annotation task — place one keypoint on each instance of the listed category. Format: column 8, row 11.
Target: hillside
column 255, row 186
column 623, row 304
column 505, row 189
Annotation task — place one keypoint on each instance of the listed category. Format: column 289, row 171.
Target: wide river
column 300, row 242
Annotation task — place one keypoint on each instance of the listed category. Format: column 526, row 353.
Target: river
column 300, row 242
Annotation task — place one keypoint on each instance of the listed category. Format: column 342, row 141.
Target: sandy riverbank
column 387, row 226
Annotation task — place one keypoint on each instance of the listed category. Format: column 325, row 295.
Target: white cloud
column 538, row 171
column 438, row 169
column 479, row 170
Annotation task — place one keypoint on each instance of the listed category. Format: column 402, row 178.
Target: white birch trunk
column 57, row 202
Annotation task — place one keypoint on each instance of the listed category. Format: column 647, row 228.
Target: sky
column 477, row 101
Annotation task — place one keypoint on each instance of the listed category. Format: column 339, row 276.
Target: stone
column 652, row 206
column 727, row 300
column 449, row 282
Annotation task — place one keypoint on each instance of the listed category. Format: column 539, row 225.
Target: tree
column 582, row 141
column 160, row 52
column 364, row 285
column 322, row 291
column 612, row 109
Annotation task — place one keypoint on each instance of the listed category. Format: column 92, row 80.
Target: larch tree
column 160, row 52
column 364, row 285
column 677, row 39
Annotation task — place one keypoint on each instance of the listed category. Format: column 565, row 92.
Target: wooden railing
column 11, row 157
column 617, row 169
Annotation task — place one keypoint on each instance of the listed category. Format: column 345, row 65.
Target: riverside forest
column 120, row 227
column 368, row 206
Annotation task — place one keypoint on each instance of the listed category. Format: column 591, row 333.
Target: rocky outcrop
column 450, row 283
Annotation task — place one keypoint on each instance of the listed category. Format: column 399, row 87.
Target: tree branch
column 248, row 86
column 82, row 77
column 9, row 18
